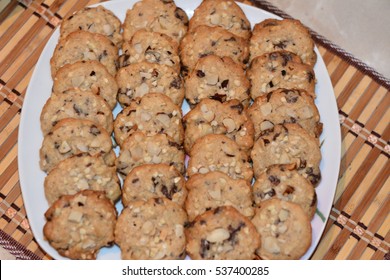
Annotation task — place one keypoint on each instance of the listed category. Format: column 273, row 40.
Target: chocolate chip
column 233, row 231
column 281, row 45
column 271, row 84
column 286, row 58
column 56, row 145
column 134, row 180
column 180, row 14
column 274, row 180
column 238, row 107
column 310, row 76
column 94, row 130
column 284, row 72
column 159, row 200
column 231, row 39
column 225, row 83
column 80, row 204
column 289, row 190
column 92, row 73
column 102, row 55
column 88, row 164
column 204, row 247
column 176, row 83
column 270, row 193
column 291, row 98
column 200, row 74
column 217, row 210
column 219, row 97
column 213, row 43
column 202, row 222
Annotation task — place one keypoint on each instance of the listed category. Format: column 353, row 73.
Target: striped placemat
column 359, row 224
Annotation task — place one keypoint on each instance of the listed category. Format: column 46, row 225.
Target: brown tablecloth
column 359, row 223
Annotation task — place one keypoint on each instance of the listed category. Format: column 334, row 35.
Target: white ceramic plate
column 30, row 135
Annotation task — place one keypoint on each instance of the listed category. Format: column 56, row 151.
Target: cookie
column 158, row 16
column 287, row 34
column 214, row 189
column 206, row 40
column 224, row 13
column 79, row 173
column 285, row 183
column 151, row 47
column 222, row 234
column 139, row 149
column 154, row 113
column 151, row 230
column 78, row 105
column 214, row 117
column 87, row 76
column 153, row 181
column 277, row 70
column 83, row 45
column 285, row 230
column 285, row 106
column 217, row 78
column 219, row 153
column 79, row 225
column 71, row 137
column 288, row 144
column 95, row 20
column 136, row 80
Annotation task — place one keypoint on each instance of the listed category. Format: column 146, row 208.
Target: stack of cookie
column 218, row 133
column 77, row 122
column 252, row 115
column 150, row 133
column 286, row 155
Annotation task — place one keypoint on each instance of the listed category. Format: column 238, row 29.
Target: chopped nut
column 107, row 29
column 229, row 124
column 283, row 215
column 215, row 193
column 266, row 109
column 271, row 245
column 164, row 119
column 138, row 48
column 215, row 19
column 218, row 235
column 266, row 125
column 64, row 148
column 75, row 216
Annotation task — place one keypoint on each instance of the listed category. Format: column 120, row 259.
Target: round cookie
column 277, row 70
column 156, row 15
column 151, row 47
column 95, row 20
column 87, row 76
column 222, row 234
column 79, row 173
column 285, row 106
column 136, row 80
column 285, row 230
column 215, row 152
column 71, row 137
column 224, row 13
column 152, row 229
column 214, row 117
column 217, row 78
column 78, row 105
column 154, row 113
column 153, row 181
column 214, row 189
column 285, row 183
column 288, row 144
column 83, row 45
column 79, row 225
column 139, row 149
column 287, row 34
column 206, row 40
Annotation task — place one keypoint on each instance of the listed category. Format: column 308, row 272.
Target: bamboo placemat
column 359, row 224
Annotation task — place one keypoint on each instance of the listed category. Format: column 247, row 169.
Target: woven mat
column 359, row 224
